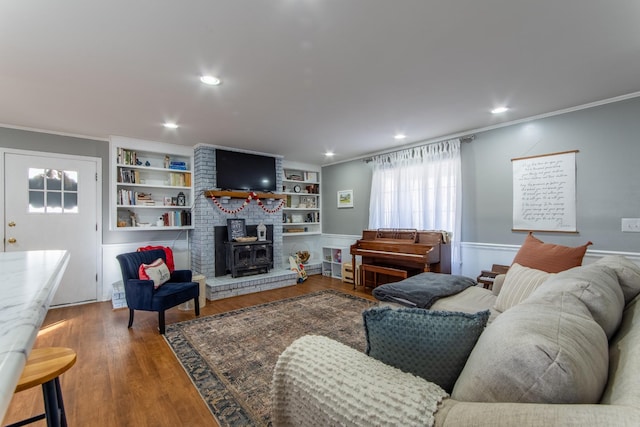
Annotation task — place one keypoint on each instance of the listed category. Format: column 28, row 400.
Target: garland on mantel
column 250, row 197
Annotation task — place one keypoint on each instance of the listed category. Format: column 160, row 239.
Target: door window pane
column 70, row 181
column 36, row 179
column 36, row 201
column 54, row 202
column 54, row 179
column 53, row 191
column 70, row 202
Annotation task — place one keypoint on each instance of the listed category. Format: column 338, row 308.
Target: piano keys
column 399, row 253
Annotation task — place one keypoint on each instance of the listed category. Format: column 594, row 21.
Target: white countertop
column 28, row 281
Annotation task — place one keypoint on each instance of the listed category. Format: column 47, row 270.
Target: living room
column 600, row 125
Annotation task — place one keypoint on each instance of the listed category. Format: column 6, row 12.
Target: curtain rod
column 463, row 139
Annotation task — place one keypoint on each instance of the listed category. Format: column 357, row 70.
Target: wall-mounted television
column 236, row 170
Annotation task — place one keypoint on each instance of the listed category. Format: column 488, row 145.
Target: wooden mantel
column 242, row 194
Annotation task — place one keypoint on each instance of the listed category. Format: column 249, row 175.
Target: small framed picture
column 345, row 199
column 167, row 201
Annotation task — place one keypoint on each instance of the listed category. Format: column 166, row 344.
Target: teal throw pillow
column 433, row 345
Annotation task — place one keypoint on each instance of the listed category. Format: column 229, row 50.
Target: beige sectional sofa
column 564, row 351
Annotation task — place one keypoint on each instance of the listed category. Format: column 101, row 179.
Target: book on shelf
column 178, row 165
column 144, row 199
column 127, row 157
column 179, row 179
column 127, row 176
column 134, row 198
column 176, row 218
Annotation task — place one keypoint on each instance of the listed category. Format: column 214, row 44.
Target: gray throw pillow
column 538, row 352
column 628, row 274
column 433, row 345
column 595, row 285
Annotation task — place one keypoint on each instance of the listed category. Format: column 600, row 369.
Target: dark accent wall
column 607, row 175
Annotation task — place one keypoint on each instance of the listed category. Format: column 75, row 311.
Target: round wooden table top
column 45, row 364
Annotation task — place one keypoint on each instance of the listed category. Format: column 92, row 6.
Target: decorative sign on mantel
column 544, row 192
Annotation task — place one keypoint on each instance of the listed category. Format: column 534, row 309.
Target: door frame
column 99, row 213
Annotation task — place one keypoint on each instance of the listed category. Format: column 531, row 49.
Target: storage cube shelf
column 332, row 259
column 301, row 214
column 151, row 186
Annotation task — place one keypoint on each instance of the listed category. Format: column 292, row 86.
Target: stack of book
column 144, row 199
column 178, row 165
column 130, row 198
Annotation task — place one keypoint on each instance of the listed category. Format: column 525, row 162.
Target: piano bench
column 375, row 269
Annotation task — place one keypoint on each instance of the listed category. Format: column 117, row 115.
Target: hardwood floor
column 130, row 377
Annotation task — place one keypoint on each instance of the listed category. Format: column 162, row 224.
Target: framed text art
column 235, row 228
column 345, row 199
column 544, row 192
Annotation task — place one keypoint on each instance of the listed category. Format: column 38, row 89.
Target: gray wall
column 607, row 175
column 50, row 143
column 608, row 178
column 356, row 176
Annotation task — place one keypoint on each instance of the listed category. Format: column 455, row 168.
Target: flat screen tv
column 236, row 170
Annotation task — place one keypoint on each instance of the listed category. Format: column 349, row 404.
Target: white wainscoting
column 480, row 256
column 475, row 256
column 111, row 268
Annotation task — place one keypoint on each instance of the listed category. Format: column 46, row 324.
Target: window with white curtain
column 419, row 188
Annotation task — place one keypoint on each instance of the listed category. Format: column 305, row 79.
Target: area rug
column 230, row 356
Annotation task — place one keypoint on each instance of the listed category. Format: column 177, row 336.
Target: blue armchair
column 141, row 295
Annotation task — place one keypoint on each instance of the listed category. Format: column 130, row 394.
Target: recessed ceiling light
column 499, row 110
column 170, row 125
column 399, row 136
column 210, row 80
column 329, row 154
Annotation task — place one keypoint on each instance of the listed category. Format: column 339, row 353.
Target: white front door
column 51, row 203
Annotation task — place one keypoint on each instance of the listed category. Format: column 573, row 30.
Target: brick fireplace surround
column 207, row 216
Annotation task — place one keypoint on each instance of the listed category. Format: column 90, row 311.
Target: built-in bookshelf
column 301, row 214
column 151, row 185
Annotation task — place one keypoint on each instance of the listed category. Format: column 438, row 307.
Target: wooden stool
column 44, row 367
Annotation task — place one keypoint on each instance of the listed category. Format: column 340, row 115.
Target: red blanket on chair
column 168, row 254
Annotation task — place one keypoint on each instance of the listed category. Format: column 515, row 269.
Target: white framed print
column 345, row 198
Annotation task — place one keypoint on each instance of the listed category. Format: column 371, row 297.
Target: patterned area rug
column 230, row 356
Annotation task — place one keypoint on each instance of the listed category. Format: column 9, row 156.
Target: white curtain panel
column 419, row 188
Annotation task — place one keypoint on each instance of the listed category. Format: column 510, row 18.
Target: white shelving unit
column 332, row 259
column 147, row 183
column 301, row 214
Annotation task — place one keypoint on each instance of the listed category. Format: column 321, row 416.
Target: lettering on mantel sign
column 544, row 192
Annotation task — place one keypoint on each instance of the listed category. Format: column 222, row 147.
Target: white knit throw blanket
column 321, row 382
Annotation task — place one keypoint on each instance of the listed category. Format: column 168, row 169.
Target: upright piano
column 401, row 253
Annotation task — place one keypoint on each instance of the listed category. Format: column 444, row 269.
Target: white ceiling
column 304, row 76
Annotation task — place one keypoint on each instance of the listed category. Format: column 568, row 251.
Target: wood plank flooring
column 130, row 377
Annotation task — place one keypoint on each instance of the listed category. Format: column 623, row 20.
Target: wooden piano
column 400, row 253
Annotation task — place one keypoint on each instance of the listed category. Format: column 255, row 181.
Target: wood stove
column 223, row 247
column 245, row 258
